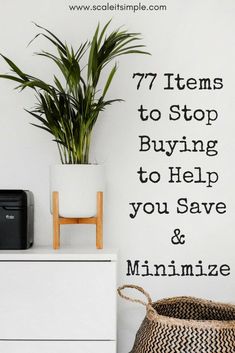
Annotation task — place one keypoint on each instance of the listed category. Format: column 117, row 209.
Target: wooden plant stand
column 57, row 220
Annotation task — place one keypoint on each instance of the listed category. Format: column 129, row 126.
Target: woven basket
column 184, row 325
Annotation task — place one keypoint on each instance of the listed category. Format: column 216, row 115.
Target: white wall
column 192, row 38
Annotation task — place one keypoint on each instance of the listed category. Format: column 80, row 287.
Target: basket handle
column 151, row 313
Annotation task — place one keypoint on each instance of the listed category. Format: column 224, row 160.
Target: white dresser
column 60, row 301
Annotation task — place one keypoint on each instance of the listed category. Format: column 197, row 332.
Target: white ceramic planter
column 77, row 185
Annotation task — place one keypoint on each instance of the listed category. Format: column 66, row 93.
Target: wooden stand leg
column 57, row 220
column 56, row 224
column 99, row 221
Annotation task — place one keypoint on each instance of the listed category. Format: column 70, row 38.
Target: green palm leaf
column 69, row 108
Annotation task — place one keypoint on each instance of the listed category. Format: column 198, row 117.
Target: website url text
column 118, row 7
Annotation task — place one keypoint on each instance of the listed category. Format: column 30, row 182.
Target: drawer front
column 57, row 347
column 58, row 300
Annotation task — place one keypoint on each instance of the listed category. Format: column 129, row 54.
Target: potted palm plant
column 69, row 108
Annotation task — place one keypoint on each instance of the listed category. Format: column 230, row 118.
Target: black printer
column 16, row 219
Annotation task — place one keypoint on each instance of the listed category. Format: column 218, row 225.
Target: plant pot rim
column 75, row 165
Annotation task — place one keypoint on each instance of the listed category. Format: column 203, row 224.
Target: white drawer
column 57, row 347
column 58, row 300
